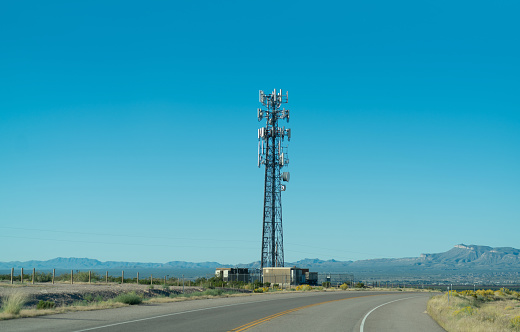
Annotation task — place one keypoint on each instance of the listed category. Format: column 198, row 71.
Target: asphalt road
column 312, row 311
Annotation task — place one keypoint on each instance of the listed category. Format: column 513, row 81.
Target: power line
column 126, row 235
column 116, row 243
column 183, row 238
column 144, row 245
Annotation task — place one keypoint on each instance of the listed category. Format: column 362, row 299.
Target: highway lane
column 309, row 311
column 394, row 312
column 411, row 314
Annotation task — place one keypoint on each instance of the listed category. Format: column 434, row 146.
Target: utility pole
column 273, row 155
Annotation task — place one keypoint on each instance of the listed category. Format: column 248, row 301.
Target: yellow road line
column 268, row 318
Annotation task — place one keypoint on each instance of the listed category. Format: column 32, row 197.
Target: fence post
column 21, row 275
column 122, row 277
column 53, row 275
column 89, row 276
column 34, row 271
column 71, row 277
column 165, row 280
column 106, row 277
column 138, row 278
column 151, row 280
column 12, row 273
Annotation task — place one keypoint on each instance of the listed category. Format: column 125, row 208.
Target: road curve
column 390, row 312
column 359, row 311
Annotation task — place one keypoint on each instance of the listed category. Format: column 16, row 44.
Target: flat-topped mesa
column 463, row 246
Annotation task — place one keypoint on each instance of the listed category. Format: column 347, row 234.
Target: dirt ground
column 66, row 294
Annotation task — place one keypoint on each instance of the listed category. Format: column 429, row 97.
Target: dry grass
column 12, row 307
column 24, row 313
column 476, row 312
column 13, row 304
column 164, row 299
column 110, row 304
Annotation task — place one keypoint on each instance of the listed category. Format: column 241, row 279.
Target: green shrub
column 81, row 277
column 208, row 292
column 42, row 277
column 45, row 305
column 344, row 286
column 467, row 310
column 13, row 304
column 81, row 303
column 325, row 284
column 213, row 282
column 303, row 288
column 88, row 297
column 236, row 284
column 213, row 292
column 129, row 298
column 515, row 323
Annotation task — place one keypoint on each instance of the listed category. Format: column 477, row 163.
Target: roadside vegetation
column 158, row 290
column 477, row 311
column 208, row 292
column 14, row 305
column 130, row 298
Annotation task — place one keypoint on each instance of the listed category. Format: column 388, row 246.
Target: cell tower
column 273, row 155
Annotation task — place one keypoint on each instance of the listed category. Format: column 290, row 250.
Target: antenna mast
column 273, row 155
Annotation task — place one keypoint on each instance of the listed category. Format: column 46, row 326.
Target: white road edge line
column 366, row 316
column 160, row 316
column 173, row 314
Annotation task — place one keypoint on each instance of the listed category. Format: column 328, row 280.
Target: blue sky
column 128, row 129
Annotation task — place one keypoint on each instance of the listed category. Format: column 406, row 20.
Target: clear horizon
column 200, row 262
column 128, row 132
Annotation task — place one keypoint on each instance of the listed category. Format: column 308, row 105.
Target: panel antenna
column 273, row 154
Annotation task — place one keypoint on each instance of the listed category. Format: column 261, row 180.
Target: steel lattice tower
column 273, row 155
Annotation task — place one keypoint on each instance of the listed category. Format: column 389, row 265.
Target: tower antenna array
column 273, row 154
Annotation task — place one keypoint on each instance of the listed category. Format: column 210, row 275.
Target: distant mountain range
column 460, row 257
column 87, row 263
